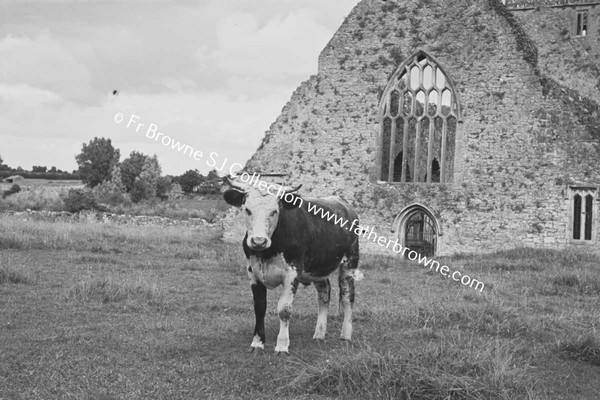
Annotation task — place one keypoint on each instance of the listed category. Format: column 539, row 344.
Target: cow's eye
column 248, row 212
column 273, row 213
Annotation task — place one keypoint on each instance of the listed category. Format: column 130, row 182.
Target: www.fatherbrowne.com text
column 369, row 234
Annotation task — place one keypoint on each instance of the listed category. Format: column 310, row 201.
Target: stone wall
column 105, row 217
column 573, row 61
column 522, row 140
column 532, row 4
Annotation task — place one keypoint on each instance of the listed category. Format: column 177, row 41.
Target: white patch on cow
column 261, row 212
column 257, row 343
column 283, row 338
column 346, row 305
column 347, row 326
column 321, row 327
column 356, row 274
column 284, row 309
column 271, row 272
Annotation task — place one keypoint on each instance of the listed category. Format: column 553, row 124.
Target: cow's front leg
column 284, row 309
column 323, row 295
column 259, row 291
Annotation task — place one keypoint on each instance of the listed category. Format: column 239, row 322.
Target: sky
column 210, row 74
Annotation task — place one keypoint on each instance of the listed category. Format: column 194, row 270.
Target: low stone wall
column 104, row 217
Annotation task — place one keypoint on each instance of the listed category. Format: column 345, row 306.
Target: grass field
column 104, row 311
column 47, row 183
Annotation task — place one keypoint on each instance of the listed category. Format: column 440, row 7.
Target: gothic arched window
column 419, row 113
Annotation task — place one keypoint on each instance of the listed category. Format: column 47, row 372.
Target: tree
column 53, row 169
column 40, row 168
column 112, row 191
column 131, row 168
column 144, row 186
column 116, row 180
column 213, row 176
column 189, row 180
column 163, row 187
column 3, row 167
column 211, row 184
column 79, row 200
column 96, row 160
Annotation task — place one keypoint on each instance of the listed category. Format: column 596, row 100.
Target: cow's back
column 310, row 242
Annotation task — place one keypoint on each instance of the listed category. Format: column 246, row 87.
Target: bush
column 189, row 180
column 109, row 193
column 142, row 190
column 79, row 200
column 39, row 198
column 144, row 186
column 163, row 187
column 13, row 189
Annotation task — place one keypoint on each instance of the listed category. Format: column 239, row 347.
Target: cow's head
column 261, row 208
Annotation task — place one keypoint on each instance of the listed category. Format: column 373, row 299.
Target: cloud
column 44, row 63
column 21, row 98
column 283, row 47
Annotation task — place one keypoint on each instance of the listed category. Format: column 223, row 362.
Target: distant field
column 166, row 313
column 36, row 183
column 47, row 195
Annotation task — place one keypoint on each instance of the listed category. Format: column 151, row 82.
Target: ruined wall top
column 529, row 4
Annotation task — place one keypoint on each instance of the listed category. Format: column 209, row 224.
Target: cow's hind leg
column 346, row 282
column 259, row 291
column 284, row 309
column 323, row 295
column 347, row 270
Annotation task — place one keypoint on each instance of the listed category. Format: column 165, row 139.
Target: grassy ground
column 105, row 311
column 47, row 183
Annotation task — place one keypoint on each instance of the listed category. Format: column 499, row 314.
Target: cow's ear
column 291, row 200
column 234, row 197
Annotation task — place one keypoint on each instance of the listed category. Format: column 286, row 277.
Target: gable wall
column 517, row 149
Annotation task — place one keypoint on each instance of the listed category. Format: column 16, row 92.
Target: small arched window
column 419, row 112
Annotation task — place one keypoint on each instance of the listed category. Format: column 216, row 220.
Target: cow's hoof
column 345, row 339
column 256, row 350
column 282, row 353
column 281, row 349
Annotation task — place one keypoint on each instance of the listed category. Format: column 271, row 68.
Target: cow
column 285, row 244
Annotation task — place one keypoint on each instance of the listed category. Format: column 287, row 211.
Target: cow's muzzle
column 259, row 243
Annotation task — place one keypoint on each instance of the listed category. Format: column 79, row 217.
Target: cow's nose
column 259, row 241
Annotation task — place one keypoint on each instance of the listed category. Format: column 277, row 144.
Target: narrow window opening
column 577, row 217
column 582, row 22
column 385, row 147
column 435, row 171
column 398, row 168
column 588, row 217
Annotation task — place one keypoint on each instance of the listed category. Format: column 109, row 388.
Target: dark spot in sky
column 115, row 92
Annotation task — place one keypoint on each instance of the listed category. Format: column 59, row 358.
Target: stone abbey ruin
column 453, row 125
